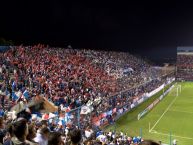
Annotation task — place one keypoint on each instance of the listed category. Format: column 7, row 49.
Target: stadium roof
column 185, row 49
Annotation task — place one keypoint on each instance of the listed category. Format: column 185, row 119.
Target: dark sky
column 151, row 28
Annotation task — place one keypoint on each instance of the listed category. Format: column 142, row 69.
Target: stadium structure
column 105, row 97
column 184, row 63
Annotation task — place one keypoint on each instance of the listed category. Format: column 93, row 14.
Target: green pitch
column 171, row 119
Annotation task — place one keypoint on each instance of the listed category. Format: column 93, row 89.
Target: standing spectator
column 55, row 139
column 20, row 131
column 75, row 137
column 2, row 129
column 9, row 135
column 31, row 135
column 3, row 101
column 42, row 136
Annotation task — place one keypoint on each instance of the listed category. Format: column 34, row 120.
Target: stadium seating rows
column 72, row 78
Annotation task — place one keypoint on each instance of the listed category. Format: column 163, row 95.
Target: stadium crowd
column 185, row 61
column 184, row 66
column 23, row 132
column 70, row 78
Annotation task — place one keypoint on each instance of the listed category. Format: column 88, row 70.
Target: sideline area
column 170, row 119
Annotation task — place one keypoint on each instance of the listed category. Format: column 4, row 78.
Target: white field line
column 177, row 136
column 164, row 113
column 181, row 111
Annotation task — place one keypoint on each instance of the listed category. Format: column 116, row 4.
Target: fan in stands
column 104, row 84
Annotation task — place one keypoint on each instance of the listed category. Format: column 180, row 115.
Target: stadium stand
column 184, row 63
column 106, row 84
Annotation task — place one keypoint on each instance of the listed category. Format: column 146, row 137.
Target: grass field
column 172, row 118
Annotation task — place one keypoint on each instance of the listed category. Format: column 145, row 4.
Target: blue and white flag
column 26, row 94
column 14, row 96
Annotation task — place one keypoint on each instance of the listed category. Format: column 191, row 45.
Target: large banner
column 38, row 104
column 155, row 91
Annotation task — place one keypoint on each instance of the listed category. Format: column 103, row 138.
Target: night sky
column 152, row 29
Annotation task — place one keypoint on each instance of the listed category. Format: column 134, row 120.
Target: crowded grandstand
column 184, row 63
column 68, row 96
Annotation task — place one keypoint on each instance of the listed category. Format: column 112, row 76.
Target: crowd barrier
column 111, row 115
